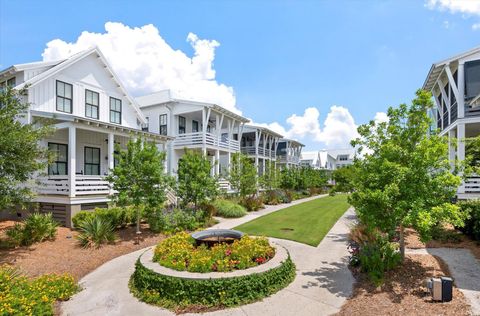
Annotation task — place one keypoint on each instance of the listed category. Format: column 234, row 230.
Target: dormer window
column 91, row 104
column 64, row 97
column 115, row 110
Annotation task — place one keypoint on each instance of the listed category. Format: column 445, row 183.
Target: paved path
column 322, row 284
column 465, row 270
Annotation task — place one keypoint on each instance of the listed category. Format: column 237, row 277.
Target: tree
column 195, row 184
column 270, row 179
column 139, row 177
column 289, row 178
column 343, row 178
column 243, row 175
column 404, row 178
column 21, row 154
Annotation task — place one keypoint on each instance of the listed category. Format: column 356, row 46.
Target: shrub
column 229, row 209
column 179, row 252
column 95, row 231
column 116, row 216
column 176, row 293
column 161, row 220
column 20, row 295
column 252, row 203
column 472, row 224
column 35, row 228
column 274, row 197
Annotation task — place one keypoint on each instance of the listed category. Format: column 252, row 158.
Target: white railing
column 288, row 159
column 224, row 185
column 84, row 185
column 250, row 150
column 471, row 184
column 171, row 197
column 192, row 139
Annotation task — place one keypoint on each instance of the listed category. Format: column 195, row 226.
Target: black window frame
column 115, row 111
column 195, row 123
column 63, row 97
column 92, row 105
column 85, row 163
column 469, row 67
column 56, row 161
column 162, row 128
column 182, row 128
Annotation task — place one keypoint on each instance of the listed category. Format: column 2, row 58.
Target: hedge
column 173, row 292
column 472, row 224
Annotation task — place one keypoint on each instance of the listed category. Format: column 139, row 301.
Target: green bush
column 472, row 224
column 252, row 203
column 179, row 252
column 95, row 231
column 377, row 257
column 175, row 293
column 161, row 220
column 274, row 197
column 117, row 216
column 20, row 295
column 229, row 209
column 35, row 228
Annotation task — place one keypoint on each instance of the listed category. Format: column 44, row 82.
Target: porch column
column 111, row 150
column 229, row 161
column 451, row 147
column 72, row 163
column 217, row 159
column 461, row 90
column 461, row 148
column 212, row 170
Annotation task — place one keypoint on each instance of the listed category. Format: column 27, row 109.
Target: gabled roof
column 293, row 141
column 72, row 60
column 165, row 96
column 437, row 68
column 310, row 155
column 27, row 66
column 334, row 153
column 263, row 128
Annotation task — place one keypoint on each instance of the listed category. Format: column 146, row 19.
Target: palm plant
column 95, row 231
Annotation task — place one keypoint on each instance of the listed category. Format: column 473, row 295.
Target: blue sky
column 280, row 57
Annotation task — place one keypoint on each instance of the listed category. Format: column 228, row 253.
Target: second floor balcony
column 250, row 151
column 199, row 139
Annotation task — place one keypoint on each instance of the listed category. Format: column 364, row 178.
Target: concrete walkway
column 322, row 284
column 465, row 270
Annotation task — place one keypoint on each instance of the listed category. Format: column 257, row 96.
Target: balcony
column 288, row 159
column 84, row 185
column 250, row 150
column 196, row 140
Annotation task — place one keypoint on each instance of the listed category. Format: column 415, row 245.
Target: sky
column 311, row 70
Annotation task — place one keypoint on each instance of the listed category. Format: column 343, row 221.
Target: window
column 11, row 82
column 163, row 124
column 91, row 104
column 92, row 161
column 472, row 79
column 60, row 164
column 181, row 125
column 64, row 97
column 115, row 110
column 146, row 126
column 343, row 158
column 194, row 126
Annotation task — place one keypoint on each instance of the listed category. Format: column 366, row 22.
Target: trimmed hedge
column 173, row 292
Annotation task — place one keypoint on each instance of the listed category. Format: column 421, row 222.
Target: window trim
column 182, row 127
column 92, row 164
column 92, row 105
column 115, row 111
column 65, row 98
column 160, row 125
column 58, row 161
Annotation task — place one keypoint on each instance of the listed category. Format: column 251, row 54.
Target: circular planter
column 155, row 284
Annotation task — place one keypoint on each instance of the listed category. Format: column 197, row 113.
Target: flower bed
column 180, row 253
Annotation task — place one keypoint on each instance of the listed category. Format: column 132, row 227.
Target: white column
column 212, row 171
column 72, row 163
column 217, row 165
column 461, row 148
column 229, row 161
column 451, row 146
column 111, row 150
column 461, row 90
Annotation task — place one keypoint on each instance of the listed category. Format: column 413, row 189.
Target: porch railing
column 192, row 139
column 250, row 150
column 288, row 159
column 84, row 185
column 472, row 184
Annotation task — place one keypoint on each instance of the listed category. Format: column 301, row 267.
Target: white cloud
column 338, row 129
column 146, row 63
column 476, row 26
column 381, row 117
column 455, row 6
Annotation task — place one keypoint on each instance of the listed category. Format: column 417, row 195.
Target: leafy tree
column 289, row 178
column 139, row 177
column 243, row 175
column 270, row 179
column 21, row 154
column 343, row 178
column 404, row 178
column 195, row 184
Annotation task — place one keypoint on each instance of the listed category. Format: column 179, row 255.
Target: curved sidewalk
column 322, row 284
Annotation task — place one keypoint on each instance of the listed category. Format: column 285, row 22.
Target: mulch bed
column 64, row 255
column 404, row 293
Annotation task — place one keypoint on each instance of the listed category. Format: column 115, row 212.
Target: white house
column 455, row 85
column 310, row 159
column 260, row 143
column 91, row 112
column 289, row 152
column 205, row 127
column 333, row 159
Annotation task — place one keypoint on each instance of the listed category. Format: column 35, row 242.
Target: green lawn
column 307, row 222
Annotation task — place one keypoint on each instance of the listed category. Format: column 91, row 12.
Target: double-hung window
column 163, row 124
column 59, row 166
column 194, row 126
column 115, row 110
column 64, row 97
column 91, row 104
column 181, row 125
column 92, row 161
